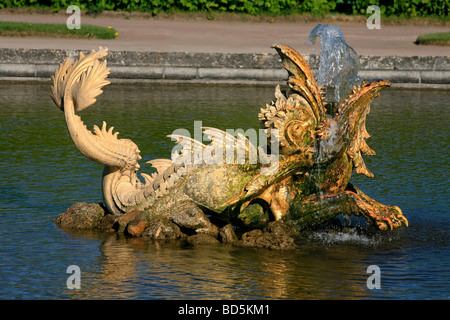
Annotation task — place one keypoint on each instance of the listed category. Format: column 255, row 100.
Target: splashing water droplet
column 338, row 62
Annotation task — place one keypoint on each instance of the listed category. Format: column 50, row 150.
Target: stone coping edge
column 181, row 67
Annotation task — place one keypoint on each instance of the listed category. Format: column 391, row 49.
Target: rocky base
column 85, row 216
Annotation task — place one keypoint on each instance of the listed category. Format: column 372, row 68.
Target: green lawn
column 23, row 29
column 439, row 39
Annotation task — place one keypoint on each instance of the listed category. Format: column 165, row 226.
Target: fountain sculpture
column 321, row 142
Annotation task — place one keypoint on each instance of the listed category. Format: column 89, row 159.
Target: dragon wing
column 351, row 121
column 301, row 79
column 296, row 116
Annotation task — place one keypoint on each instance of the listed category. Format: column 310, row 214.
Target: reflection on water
column 42, row 173
column 130, row 267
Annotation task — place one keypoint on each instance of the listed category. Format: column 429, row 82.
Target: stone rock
column 211, row 229
column 202, row 238
column 279, row 227
column 163, row 229
column 251, row 238
column 135, row 228
column 227, row 234
column 81, row 216
column 123, row 220
column 275, row 236
column 107, row 223
column 195, row 219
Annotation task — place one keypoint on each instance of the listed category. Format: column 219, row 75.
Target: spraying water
column 338, row 62
column 338, row 73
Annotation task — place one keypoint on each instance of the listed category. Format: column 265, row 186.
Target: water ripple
column 42, row 174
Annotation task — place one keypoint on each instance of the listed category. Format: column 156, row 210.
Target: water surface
column 42, row 174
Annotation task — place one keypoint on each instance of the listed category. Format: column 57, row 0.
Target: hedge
column 401, row 8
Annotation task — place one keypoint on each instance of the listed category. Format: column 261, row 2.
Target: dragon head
column 308, row 125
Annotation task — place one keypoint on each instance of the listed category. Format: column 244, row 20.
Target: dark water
column 42, row 174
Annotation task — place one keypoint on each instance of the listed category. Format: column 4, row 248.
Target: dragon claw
column 390, row 218
column 387, row 217
column 384, row 217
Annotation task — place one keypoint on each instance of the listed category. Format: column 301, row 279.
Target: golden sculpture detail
column 320, row 145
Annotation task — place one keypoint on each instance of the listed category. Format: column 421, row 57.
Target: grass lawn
column 438, row 39
column 23, row 29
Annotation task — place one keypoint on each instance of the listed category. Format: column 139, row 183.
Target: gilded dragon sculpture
column 305, row 184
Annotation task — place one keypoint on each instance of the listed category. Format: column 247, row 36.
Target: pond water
column 42, row 174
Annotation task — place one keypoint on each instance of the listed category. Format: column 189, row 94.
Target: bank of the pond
column 236, row 68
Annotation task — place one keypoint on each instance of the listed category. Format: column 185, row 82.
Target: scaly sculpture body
column 319, row 149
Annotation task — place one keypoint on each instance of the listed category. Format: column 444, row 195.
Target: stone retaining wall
column 40, row 64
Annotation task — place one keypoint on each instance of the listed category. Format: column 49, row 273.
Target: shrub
column 402, row 8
